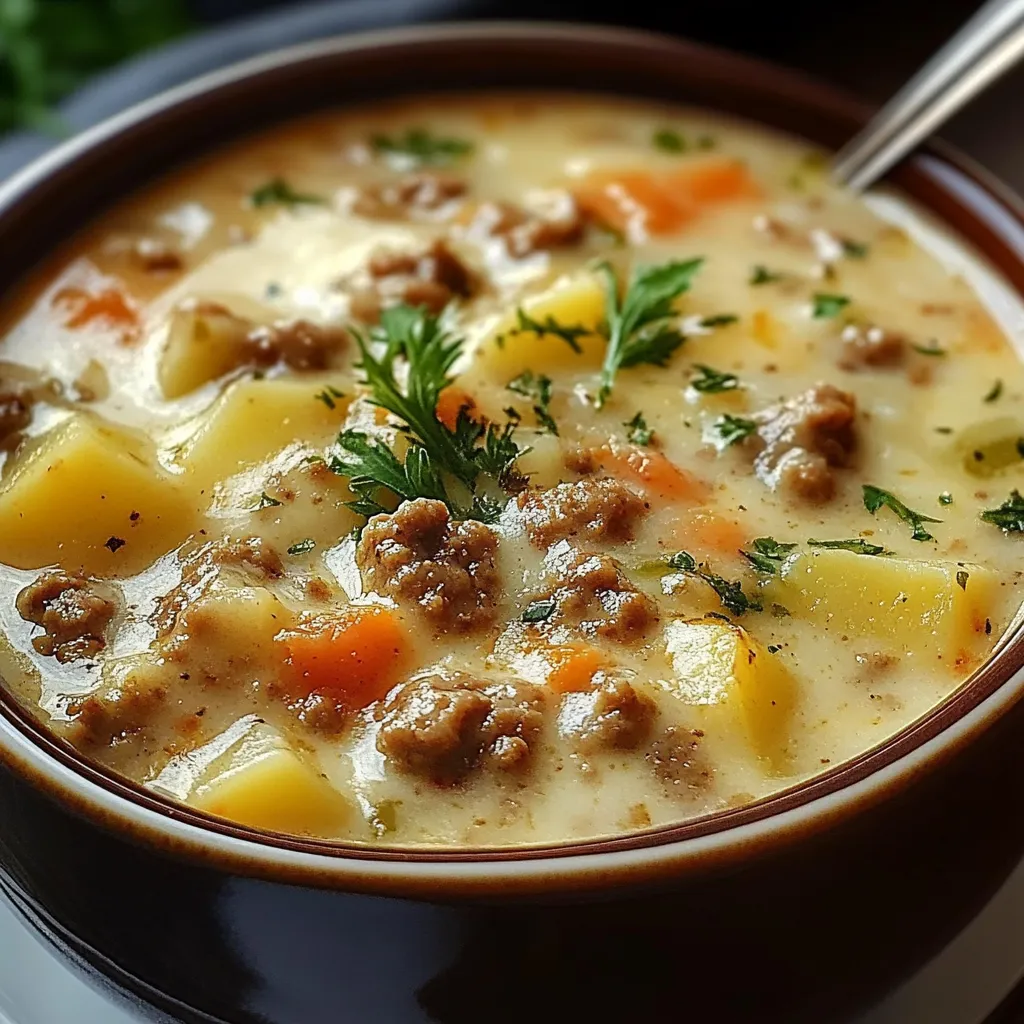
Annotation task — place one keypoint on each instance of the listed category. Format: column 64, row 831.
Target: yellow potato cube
column 579, row 301
column 255, row 420
column 262, row 782
column 204, row 342
column 718, row 667
column 85, row 488
column 923, row 607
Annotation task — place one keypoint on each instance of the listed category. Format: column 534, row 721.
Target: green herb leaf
column 856, row 545
column 539, row 611
column 767, row 554
column 1009, row 517
column 762, row 275
column 825, row 307
column 419, row 147
column 266, row 501
column 995, row 391
column 719, row 320
column 640, row 324
column 854, row 250
column 638, row 431
column 713, row 381
column 876, row 497
column 570, row 334
column 932, row 349
column 302, row 547
column 730, row 593
column 733, row 429
column 278, row 191
column 440, row 462
column 538, row 389
column 668, row 141
column 328, row 396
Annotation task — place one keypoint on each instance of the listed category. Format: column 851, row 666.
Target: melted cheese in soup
column 501, row 471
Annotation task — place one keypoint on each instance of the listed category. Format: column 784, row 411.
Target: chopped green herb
column 854, row 250
column 780, row 611
column 827, row 306
column 1009, row 517
column 961, row 579
column 733, row 429
column 668, row 141
column 931, row 349
column 994, row 392
column 539, row 611
column 441, row 463
column 277, row 191
column 876, row 497
column 856, row 545
column 774, row 648
column 536, row 387
column 570, row 334
column 943, row 430
column 418, row 146
column 762, row 275
column 638, row 431
column 328, row 396
column 641, row 327
column 302, row 546
column 945, row 498
column 273, row 290
column 767, row 554
column 712, row 381
column 266, row 501
column 729, row 592
column 719, row 320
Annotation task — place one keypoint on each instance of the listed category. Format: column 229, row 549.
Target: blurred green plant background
column 48, row 47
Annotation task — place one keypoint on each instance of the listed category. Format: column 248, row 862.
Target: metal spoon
column 987, row 46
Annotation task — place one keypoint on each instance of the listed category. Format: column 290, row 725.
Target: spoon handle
column 988, row 45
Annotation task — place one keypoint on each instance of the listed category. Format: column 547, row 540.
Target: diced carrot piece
column 635, row 203
column 451, row 402
column 111, row 307
column 710, row 534
column 717, row 180
column 574, row 668
column 655, row 473
column 356, row 656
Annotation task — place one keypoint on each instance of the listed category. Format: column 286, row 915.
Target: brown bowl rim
column 936, row 177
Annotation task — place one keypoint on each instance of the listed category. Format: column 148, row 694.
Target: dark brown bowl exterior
column 803, row 923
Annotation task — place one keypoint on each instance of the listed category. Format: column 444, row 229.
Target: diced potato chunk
column 576, row 302
column 923, row 607
column 719, row 667
column 204, row 341
column 262, row 782
column 253, row 421
column 82, row 490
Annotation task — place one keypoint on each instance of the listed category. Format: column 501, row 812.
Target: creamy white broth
column 717, row 704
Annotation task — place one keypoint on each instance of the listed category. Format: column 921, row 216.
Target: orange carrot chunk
column 356, row 656
column 716, row 180
column 634, row 203
column 712, row 535
column 655, row 473
column 110, row 307
column 574, row 668
column 451, row 402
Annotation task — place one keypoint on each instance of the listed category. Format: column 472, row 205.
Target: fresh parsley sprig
column 418, row 147
column 278, row 192
column 536, row 387
column 1009, row 516
column 641, row 324
column 729, row 592
column 767, row 554
column 857, row 545
column 637, row 430
column 712, row 382
column 875, row 498
column 569, row 333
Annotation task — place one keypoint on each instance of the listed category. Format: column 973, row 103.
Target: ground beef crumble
column 430, row 278
column 613, row 716
column 418, row 555
column 559, row 224
column 408, row 196
column 674, row 757
column 442, row 728
column 799, row 442
column 115, row 713
column 597, row 510
column 73, row 611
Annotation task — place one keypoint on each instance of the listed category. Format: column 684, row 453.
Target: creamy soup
column 501, row 471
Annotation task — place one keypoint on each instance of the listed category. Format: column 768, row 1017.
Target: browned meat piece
column 296, row 343
column 800, row 441
column 612, row 716
column 559, row 225
column 73, row 611
column 431, row 278
column 599, row 510
column 871, row 347
column 15, row 410
column 447, row 569
column 593, row 593
column 413, row 194
column 252, row 556
column 674, row 758
column 114, row 713
column 443, row 728
column 155, row 256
